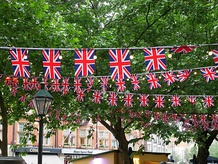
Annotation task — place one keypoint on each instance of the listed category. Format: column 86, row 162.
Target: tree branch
column 149, row 25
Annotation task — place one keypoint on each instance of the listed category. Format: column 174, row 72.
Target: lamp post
column 41, row 101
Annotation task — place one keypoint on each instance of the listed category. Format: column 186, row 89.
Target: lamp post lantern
column 41, row 101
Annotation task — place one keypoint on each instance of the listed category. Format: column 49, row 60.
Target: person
column 195, row 159
column 163, row 162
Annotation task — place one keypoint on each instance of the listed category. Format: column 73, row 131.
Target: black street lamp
column 41, row 101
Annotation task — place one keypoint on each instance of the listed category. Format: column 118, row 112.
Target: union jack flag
column 80, row 95
column 156, row 116
column 31, row 105
column 90, row 82
column 112, row 99
column 214, row 118
column 159, row 101
column 195, row 120
column 34, row 84
column 169, row 77
column 104, row 83
column 209, row 74
column 120, row 85
column 183, row 75
column 84, row 62
column 192, row 99
column 20, row 62
column 15, row 82
column 8, row 81
column 14, row 90
column 176, row 101
column 26, row 84
column 51, row 64
column 203, row 118
column 128, row 101
column 183, row 49
column 155, row 59
column 143, row 100
column 165, row 117
column 174, row 117
column 215, row 56
column 77, row 84
column 55, row 86
column 135, row 82
column 97, row 96
column 153, row 81
column 120, row 64
column 208, row 101
column 65, row 86
column 23, row 98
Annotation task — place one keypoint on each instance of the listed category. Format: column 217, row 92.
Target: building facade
column 84, row 140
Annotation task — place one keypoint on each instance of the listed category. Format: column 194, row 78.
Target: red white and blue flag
column 77, row 84
column 128, row 100
column 208, row 101
column 113, row 98
column 65, row 86
column 51, row 63
column 155, row 59
column 84, row 62
column 143, row 99
column 119, row 64
column 120, row 84
column 55, row 86
column 169, row 77
column 20, row 62
column 159, row 101
column 215, row 56
column 183, row 49
column 214, row 118
column 80, row 95
column 176, row 101
column 209, row 74
column 26, row 84
column 153, row 81
column 183, row 75
column 97, row 96
column 90, row 82
column 104, row 83
column 192, row 99
column 23, row 98
column 135, row 82
column 34, row 84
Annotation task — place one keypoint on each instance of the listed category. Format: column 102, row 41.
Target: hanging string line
column 130, row 48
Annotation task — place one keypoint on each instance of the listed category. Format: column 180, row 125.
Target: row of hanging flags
column 120, row 69
column 155, row 59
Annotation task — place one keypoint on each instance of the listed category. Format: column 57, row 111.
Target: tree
column 118, row 24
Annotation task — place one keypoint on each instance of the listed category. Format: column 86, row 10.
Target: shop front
column 30, row 155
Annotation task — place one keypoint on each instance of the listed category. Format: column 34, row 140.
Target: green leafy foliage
column 113, row 24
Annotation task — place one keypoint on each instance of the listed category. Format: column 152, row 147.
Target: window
column 21, row 127
column 82, row 132
column 20, row 135
column 101, row 134
column 114, row 142
column 83, row 141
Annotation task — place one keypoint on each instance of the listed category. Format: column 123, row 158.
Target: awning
column 46, row 159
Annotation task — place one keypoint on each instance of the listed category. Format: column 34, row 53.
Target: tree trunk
column 119, row 133
column 204, row 145
column 125, row 155
column 4, row 142
column 203, row 153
